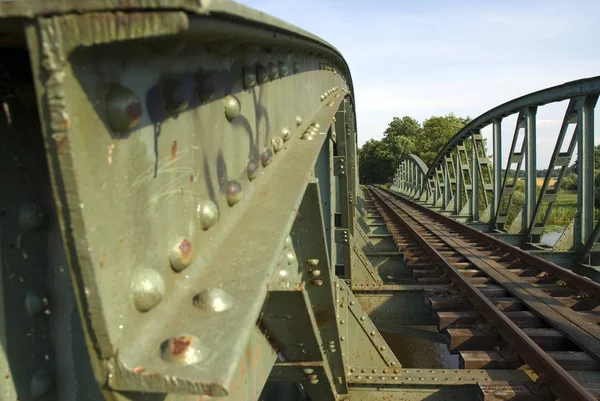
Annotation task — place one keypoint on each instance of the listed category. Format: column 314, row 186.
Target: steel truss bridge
column 181, row 219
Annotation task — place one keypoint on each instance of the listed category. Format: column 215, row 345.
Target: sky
column 426, row 58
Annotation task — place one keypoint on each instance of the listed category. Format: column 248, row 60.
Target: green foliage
column 378, row 160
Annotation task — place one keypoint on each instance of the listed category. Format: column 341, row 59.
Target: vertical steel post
column 497, row 184
column 474, row 180
column 530, row 167
column 458, row 203
column 584, row 219
column 446, row 183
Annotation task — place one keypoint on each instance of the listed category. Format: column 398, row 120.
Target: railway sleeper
column 479, row 340
column 455, row 303
column 569, row 360
column 466, row 319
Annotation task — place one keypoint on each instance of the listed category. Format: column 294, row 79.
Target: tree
column 402, row 127
column 436, row 133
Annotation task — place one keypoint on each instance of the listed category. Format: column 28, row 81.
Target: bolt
column 181, row 350
column 283, row 69
column 308, row 371
column 206, row 87
column 40, row 384
column 148, row 288
column 286, row 134
column 232, row 107
column 234, row 192
column 207, row 213
column 249, row 77
column 266, row 157
column 318, row 283
column 296, row 67
column 252, row 169
column 175, row 97
column 35, row 302
column 298, row 120
column 273, row 71
column 123, row 108
column 262, row 75
column 290, row 256
column 30, row 216
column 277, row 144
column 307, row 137
column 315, row 273
column 181, row 255
column 213, row 299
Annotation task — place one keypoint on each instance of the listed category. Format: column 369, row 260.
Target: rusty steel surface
column 418, row 220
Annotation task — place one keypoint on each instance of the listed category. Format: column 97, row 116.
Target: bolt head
column 312, row 262
column 322, row 97
column 286, row 134
column 315, row 273
column 277, row 143
column 312, row 377
column 175, row 95
column 181, row 350
column 252, row 170
column 148, row 288
column 213, row 300
column 318, row 282
column 262, row 74
column 314, row 381
column 298, row 120
column 249, row 77
column 181, row 255
column 207, row 213
column 123, row 108
column 234, row 192
column 308, row 371
column 290, row 256
column 232, row 107
column 266, row 157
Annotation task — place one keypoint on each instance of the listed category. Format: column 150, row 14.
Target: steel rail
column 560, row 382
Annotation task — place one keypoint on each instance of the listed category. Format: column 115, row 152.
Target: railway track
column 500, row 307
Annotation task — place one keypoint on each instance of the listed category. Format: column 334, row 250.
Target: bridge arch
column 464, row 182
column 411, row 177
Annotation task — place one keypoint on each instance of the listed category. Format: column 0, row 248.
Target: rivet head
column 35, row 302
column 307, row 137
column 352, row 302
column 206, row 87
column 352, row 370
column 266, row 157
column 288, row 241
column 283, row 69
column 396, row 370
column 252, row 170
column 40, row 384
column 181, row 350
column 262, row 74
column 296, row 67
column 342, row 338
column 277, row 143
column 382, row 348
column 384, row 371
column 148, row 288
column 181, row 255
column 318, row 282
column 234, row 192
column 232, row 107
column 372, row 333
column 290, row 256
column 331, row 342
column 314, row 381
column 273, row 71
column 249, row 77
column 374, row 371
column 175, row 96
column 312, row 377
column 30, row 216
column 208, row 214
column 369, row 377
column 363, row 371
column 213, row 300
column 315, row 273
column 312, row 262
column 393, row 364
column 322, row 97
column 123, row 108
column 316, row 125
column 286, row 134
column 308, row 371
column 342, row 321
column 362, row 318
column 298, row 120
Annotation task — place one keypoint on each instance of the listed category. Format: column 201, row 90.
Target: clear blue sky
column 424, row 58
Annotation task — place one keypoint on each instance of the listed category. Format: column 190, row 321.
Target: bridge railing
column 464, row 182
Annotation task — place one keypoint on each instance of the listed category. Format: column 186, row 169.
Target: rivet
column 123, row 108
column 288, row 241
column 352, row 370
column 298, row 120
column 35, row 302
column 252, row 169
column 318, row 282
column 283, row 69
column 181, row 350
column 396, row 370
column 213, row 299
column 207, row 213
column 343, row 338
column 359, row 377
column 316, row 125
column 372, row 333
column 273, row 71
column 314, row 381
column 296, row 67
column 363, row 371
column 395, row 377
column 382, row 348
column 352, row 302
column 148, row 288
column 31, row 216
column 277, row 144
column 266, row 157
column 312, row 377
column 362, row 318
column 315, row 273
column 232, row 107
column 322, row 97
column 312, row 262
column 181, row 255
column 393, row 364
column 384, row 371
column 249, row 77
column 234, row 192
column 308, row 371
column 290, row 256
column 342, row 321
column 331, row 342
column 206, row 87
column 175, row 97
column 40, row 384
column 262, row 75
column 369, row 377
column 307, row 137
column 286, row 134
column 374, row 371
